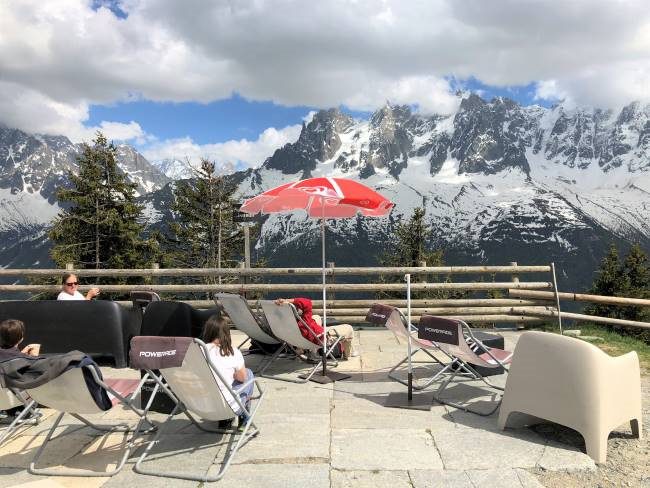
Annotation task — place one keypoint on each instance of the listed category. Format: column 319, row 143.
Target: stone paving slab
column 477, row 449
column 276, row 476
column 370, row 479
column 383, row 449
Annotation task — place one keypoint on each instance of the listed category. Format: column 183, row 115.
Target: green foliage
column 203, row 234
column 629, row 278
column 100, row 227
column 409, row 249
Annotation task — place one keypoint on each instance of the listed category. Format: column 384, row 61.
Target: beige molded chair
column 575, row 384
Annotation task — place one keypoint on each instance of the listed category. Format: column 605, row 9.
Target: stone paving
column 337, row 435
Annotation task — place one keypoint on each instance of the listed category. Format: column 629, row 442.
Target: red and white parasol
column 322, row 198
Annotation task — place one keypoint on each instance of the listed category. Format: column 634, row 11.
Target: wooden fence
column 524, row 301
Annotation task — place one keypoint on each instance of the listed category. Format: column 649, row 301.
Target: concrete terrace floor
column 312, row 435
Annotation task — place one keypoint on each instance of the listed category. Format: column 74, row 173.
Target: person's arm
column 280, row 301
column 92, row 293
column 32, row 349
column 240, row 374
column 240, row 370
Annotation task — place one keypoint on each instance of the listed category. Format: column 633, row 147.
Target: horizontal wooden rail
column 587, row 318
column 337, row 304
column 474, row 319
column 342, row 271
column 295, row 288
column 439, row 310
column 581, row 297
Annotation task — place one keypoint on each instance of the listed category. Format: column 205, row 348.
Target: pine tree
column 631, row 279
column 100, row 227
column 635, row 271
column 410, row 250
column 607, row 283
column 203, row 234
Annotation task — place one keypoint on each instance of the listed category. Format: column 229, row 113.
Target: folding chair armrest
column 243, row 385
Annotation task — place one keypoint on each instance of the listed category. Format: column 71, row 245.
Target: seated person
column 229, row 362
column 12, row 333
column 69, row 289
column 304, row 307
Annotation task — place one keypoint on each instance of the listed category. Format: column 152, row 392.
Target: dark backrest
column 99, row 328
column 174, row 319
column 143, row 298
column 440, row 330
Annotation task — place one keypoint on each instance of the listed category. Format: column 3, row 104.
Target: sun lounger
column 575, row 384
column 244, row 319
column 395, row 321
column 183, row 364
column 69, row 394
column 283, row 321
column 456, row 339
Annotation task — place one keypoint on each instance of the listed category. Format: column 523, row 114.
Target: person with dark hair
column 70, row 289
column 12, row 333
column 229, row 362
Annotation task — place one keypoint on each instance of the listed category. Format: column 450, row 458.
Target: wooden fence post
column 515, row 279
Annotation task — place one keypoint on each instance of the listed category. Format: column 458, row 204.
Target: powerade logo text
column 438, row 331
column 157, row 354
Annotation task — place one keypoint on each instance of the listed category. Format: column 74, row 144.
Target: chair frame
column 462, row 354
column 254, row 326
column 17, row 398
column 292, row 342
column 180, row 407
column 123, row 427
column 421, row 345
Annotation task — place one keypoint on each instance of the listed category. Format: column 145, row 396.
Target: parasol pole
column 322, row 228
column 408, row 329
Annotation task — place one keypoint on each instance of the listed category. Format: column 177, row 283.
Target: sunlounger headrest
column 379, row 314
column 438, row 329
column 155, row 352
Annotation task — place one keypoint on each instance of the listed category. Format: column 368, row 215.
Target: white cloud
column 60, row 56
column 228, row 155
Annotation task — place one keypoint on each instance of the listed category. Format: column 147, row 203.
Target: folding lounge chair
column 245, row 319
column 573, row 383
column 68, row 393
column 10, row 399
column 455, row 338
column 183, row 364
column 394, row 320
column 283, row 321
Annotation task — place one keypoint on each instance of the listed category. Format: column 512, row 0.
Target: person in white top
column 229, row 362
column 69, row 289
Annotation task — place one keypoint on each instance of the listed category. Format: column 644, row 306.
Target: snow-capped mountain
column 499, row 182
column 32, row 167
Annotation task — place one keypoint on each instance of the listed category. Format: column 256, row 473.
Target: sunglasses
column 72, row 283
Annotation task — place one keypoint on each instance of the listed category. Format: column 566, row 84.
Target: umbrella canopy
column 331, row 198
column 322, row 198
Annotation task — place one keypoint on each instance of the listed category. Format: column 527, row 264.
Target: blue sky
column 233, row 81
column 238, row 118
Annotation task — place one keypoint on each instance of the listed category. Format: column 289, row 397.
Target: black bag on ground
column 257, row 347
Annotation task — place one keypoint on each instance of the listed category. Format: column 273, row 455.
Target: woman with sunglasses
column 70, row 285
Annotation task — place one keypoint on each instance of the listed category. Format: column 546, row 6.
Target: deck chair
column 69, row 394
column 12, row 399
column 143, row 298
column 244, row 319
column 283, row 321
column 183, row 364
column 394, row 320
column 455, row 338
